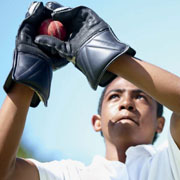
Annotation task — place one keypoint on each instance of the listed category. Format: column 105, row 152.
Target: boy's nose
column 127, row 103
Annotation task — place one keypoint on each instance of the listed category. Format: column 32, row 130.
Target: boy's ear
column 96, row 122
column 160, row 124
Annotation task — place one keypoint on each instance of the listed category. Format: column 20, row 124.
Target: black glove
column 91, row 45
column 31, row 66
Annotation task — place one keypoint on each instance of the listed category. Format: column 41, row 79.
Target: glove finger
column 64, row 14
column 34, row 6
column 36, row 13
column 26, row 33
column 50, row 44
column 52, row 47
column 69, row 19
column 53, row 5
column 77, row 19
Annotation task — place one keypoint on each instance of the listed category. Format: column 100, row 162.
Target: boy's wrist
column 22, row 90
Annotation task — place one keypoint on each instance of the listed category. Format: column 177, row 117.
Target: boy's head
column 125, row 110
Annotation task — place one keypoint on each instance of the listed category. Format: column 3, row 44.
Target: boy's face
column 128, row 114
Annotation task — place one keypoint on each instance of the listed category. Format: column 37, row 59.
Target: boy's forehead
column 121, row 83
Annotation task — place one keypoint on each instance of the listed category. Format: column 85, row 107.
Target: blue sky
column 63, row 129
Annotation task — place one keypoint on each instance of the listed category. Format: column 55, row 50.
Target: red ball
column 53, row 28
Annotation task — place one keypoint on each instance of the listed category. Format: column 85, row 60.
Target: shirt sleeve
column 58, row 170
column 174, row 156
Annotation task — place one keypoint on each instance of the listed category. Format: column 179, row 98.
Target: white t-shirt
column 143, row 163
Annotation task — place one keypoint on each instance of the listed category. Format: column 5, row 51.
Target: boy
column 128, row 119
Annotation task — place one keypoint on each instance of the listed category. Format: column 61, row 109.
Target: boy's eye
column 139, row 96
column 113, row 96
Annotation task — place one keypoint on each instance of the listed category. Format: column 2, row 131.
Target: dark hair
column 159, row 110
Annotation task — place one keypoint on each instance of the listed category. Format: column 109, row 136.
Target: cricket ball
column 52, row 28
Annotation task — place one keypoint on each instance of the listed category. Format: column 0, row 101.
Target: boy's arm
column 12, row 120
column 158, row 83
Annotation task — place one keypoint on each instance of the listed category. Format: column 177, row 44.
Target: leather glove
column 31, row 66
column 91, row 44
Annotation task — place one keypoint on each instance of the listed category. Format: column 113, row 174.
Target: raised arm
column 12, row 120
column 28, row 82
